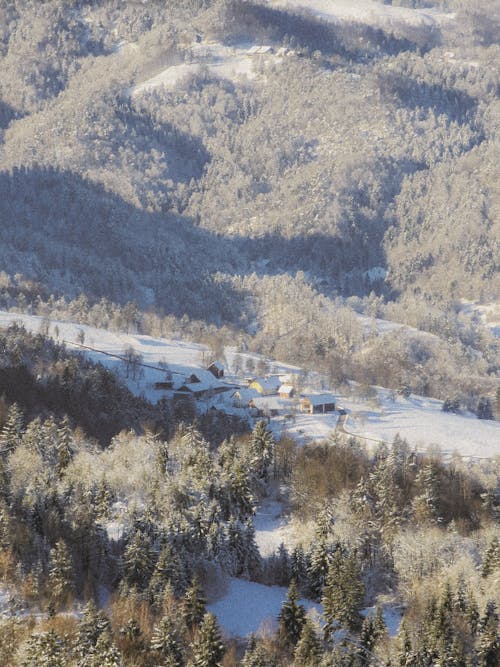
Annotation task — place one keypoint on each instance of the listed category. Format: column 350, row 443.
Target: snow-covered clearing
column 423, row 423
column 305, row 427
column 271, row 527
column 249, row 607
column 418, row 419
column 366, row 11
column 225, row 62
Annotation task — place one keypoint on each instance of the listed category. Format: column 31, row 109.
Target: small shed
column 317, row 403
column 217, row 369
column 286, row 391
column 270, row 406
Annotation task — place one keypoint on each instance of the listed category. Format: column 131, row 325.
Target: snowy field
column 225, row 62
column 420, row 420
column 249, row 607
column 366, row 11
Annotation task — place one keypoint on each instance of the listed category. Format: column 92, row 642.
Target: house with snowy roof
column 266, row 386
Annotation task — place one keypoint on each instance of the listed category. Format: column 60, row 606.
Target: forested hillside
column 350, row 169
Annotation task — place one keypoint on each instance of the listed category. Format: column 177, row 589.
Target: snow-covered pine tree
column 253, row 560
column 292, row 617
column 491, row 558
column 262, row 448
column 12, row 430
column 256, row 654
column 60, row 574
column 308, row 649
column 208, row 647
column 488, row 644
column 166, row 642
column 138, row 561
column 343, row 593
column 193, row 605
column 426, row 505
column 92, row 625
column 405, row 656
column 45, row 649
column 105, row 654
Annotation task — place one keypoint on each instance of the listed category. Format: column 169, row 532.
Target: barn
column 317, row 403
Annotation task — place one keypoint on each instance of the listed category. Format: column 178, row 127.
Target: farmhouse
column 317, row 403
column 266, row 386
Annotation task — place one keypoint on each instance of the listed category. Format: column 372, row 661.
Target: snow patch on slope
column 249, row 607
column 367, row 11
column 225, row 62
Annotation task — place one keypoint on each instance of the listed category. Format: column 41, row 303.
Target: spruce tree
column 45, row 650
column 343, row 593
column 105, row 653
column 253, row 560
column 193, row 605
column 12, row 430
column 60, row 573
column 92, row 625
column 208, row 648
column 166, row 643
column 256, row 654
column 65, row 445
column 292, row 617
column 491, row 559
column 308, row 649
column 138, row 561
column 488, row 651
column 262, row 448
column 405, row 655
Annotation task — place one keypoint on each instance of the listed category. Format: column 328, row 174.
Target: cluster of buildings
column 269, row 396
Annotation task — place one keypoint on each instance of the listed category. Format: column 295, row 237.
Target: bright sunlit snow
column 366, row 11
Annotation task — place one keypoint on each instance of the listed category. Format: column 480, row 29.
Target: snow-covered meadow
column 418, row 419
column 249, row 607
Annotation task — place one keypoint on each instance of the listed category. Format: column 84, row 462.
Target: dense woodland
column 356, row 179
column 110, row 549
